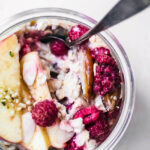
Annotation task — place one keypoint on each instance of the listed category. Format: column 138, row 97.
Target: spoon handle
column 121, row 11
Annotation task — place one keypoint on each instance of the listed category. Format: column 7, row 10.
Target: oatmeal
column 66, row 98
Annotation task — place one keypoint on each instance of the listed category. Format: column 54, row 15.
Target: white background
column 134, row 35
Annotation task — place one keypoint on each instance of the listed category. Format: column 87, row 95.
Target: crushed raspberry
column 100, row 129
column 65, row 101
column 69, row 106
column 29, row 41
column 77, row 31
column 58, row 48
column 107, row 76
column 44, row 113
column 95, row 122
column 88, row 114
column 71, row 145
column 92, row 118
column 33, row 36
column 25, row 49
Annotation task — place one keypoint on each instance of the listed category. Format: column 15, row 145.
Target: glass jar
column 13, row 23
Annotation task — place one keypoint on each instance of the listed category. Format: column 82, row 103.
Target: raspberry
column 71, row 145
column 44, row 113
column 92, row 118
column 25, row 49
column 28, row 41
column 88, row 114
column 100, row 129
column 69, row 106
column 102, row 56
column 58, row 48
column 77, row 31
column 35, row 35
column 107, row 76
column 100, row 51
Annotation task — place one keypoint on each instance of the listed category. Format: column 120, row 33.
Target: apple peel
column 29, row 72
column 28, row 127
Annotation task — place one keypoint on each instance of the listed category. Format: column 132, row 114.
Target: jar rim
column 125, row 118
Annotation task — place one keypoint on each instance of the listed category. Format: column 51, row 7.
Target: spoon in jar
column 121, row 11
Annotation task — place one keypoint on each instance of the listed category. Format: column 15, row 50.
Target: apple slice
column 58, row 137
column 34, row 137
column 10, row 126
column 28, row 127
column 40, row 140
column 25, row 94
column 34, row 76
column 9, row 62
column 86, row 72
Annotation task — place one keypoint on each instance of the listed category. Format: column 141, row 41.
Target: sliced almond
column 110, row 100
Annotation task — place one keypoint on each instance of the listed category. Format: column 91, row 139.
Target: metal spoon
column 121, row 11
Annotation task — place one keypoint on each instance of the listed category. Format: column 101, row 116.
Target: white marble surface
column 134, row 35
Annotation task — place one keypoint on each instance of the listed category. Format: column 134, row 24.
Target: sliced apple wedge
column 34, row 137
column 9, row 62
column 28, row 127
column 10, row 125
column 86, row 72
column 34, row 76
column 39, row 141
column 58, row 137
column 25, row 94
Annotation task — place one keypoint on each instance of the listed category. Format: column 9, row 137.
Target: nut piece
column 110, row 100
column 86, row 72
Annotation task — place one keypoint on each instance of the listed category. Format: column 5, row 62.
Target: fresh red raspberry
column 44, row 113
column 107, row 76
column 77, row 31
column 100, row 129
column 71, row 145
column 58, row 48
column 88, row 114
